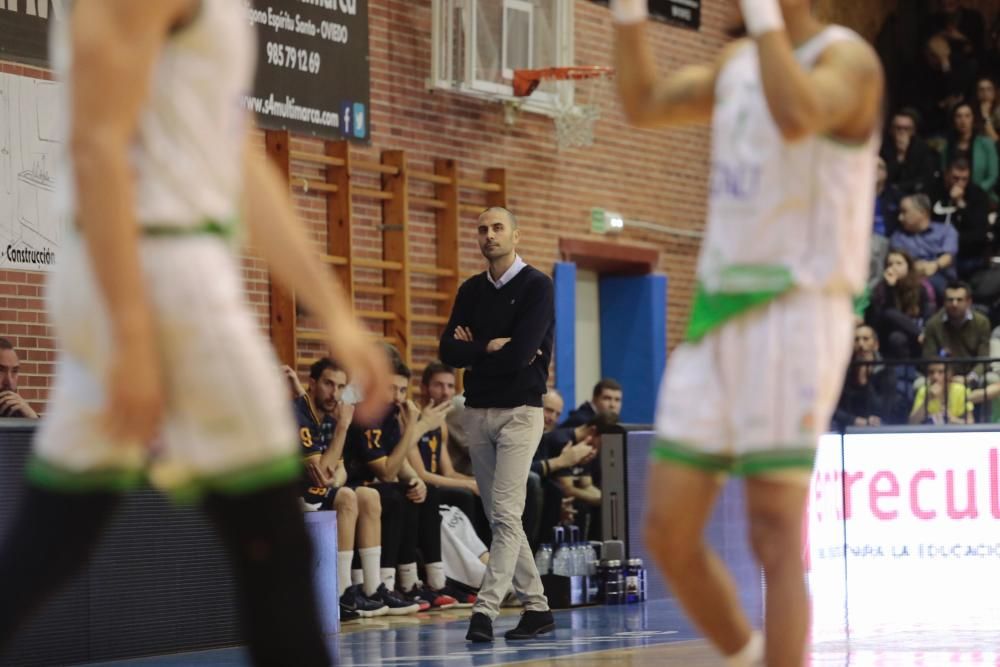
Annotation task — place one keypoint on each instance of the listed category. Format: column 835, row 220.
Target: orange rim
column 527, row 80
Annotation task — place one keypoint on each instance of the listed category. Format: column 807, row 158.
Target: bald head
column 552, row 407
column 511, row 218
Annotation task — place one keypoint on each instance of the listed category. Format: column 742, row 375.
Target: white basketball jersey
column 187, row 153
column 778, row 209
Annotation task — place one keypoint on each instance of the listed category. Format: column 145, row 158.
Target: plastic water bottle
column 613, row 582
column 561, row 561
column 543, row 559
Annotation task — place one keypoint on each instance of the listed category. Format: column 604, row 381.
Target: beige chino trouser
column 502, row 443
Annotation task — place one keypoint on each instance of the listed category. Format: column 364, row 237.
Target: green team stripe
column 234, row 482
column 749, row 464
column 671, row 451
column 755, row 463
column 225, row 229
column 741, row 288
column 239, row 482
column 46, row 475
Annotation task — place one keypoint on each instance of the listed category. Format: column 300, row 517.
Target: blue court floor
column 650, row 635
column 439, row 639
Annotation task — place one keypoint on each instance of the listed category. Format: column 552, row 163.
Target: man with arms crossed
column 795, row 110
column 501, row 330
column 154, row 333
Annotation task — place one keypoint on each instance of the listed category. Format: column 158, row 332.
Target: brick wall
column 654, row 176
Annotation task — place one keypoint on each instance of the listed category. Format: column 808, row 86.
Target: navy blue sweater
column 522, row 310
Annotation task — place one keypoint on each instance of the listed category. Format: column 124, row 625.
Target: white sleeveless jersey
column 188, row 150
column 780, row 210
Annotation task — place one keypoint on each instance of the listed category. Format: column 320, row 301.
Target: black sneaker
column 347, row 614
column 480, row 628
column 435, row 600
column 532, row 624
column 394, row 602
column 355, row 600
column 463, row 599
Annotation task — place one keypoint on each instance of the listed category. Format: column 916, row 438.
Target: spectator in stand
column 944, row 82
column 869, row 397
column 929, row 403
column 977, row 149
column 988, row 108
column 12, row 404
column 910, row 163
column 887, row 198
column 932, row 245
column 992, row 62
column 606, row 398
column 900, row 305
column 958, row 330
column 964, row 205
column 323, row 419
column 963, row 27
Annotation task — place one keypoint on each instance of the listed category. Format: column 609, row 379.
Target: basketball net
column 574, row 120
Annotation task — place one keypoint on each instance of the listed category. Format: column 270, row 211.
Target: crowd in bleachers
column 934, row 293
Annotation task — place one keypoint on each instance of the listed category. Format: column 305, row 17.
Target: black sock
column 271, row 555
column 48, row 543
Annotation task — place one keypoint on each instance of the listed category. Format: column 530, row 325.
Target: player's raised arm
column 684, row 97
column 841, row 95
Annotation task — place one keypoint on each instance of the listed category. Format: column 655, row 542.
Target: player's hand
column 135, row 400
column 463, row 334
column 417, row 491
column 574, row 453
column 344, row 414
column 567, row 512
column 317, row 471
column 433, row 416
column 293, row 380
column 472, row 485
column 367, row 367
column 496, row 345
column 13, row 404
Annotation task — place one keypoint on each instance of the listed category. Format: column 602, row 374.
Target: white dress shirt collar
column 509, row 274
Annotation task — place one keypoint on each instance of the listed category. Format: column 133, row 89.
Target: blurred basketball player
column 148, row 306
column 795, row 110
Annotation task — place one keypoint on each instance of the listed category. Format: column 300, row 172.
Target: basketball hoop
column 574, row 120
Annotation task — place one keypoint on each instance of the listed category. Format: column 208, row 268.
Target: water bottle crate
column 573, row 591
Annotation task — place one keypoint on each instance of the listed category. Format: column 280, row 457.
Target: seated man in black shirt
column 377, row 458
column 323, row 420
column 966, row 206
column 606, row 398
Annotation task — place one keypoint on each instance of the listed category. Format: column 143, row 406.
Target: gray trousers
column 502, row 442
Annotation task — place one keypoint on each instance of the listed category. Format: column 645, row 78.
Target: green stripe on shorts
column 746, row 465
column 43, row 474
column 226, row 229
column 233, row 482
column 755, row 463
column 671, row 451
column 240, row 482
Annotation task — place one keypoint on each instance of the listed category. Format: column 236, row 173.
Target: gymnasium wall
column 653, row 176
